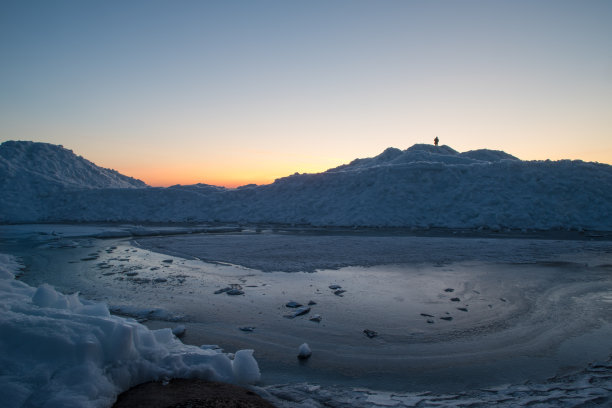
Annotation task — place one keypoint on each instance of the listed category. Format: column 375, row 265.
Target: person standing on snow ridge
column 436, row 140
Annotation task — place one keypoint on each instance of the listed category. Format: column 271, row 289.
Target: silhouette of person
column 436, row 140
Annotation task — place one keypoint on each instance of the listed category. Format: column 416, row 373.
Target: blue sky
column 246, row 91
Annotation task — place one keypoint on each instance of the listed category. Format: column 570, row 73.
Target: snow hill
column 31, row 172
column 423, row 186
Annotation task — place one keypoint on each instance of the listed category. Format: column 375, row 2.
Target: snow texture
column 31, row 172
column 590, row 387
column 58, row 350
column 424, row 186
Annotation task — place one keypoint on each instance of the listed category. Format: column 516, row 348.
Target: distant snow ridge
column 423, row 186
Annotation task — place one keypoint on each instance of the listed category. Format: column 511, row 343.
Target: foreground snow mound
column 57, row 350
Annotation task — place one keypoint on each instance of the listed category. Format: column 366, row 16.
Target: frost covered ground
column 458, row 321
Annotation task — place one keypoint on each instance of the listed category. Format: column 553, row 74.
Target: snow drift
column 32, row 172
column 58, row 350
column 423, row 186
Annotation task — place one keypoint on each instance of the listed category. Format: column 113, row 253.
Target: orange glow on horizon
column 230, row 178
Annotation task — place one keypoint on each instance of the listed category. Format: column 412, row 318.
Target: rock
column 463, row 309
column 339, row 292
column 311, row 303
column 131, row 274
column 298, row 312
column 316, row 318
column 334, row 287
column 304, row 352
column 160, row 280
column 447, row 318
column 449, row 290
column 426, row 315
column 503, row 300
column 169, row 261
column 293, row 304
column 455, row 299
column 247, row 328
column 226, row 289
column 430, row 321
column 235, row 292
column 370, row 333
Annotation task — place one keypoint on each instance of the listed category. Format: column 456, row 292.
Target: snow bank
column 31, row 172
column 58, row 350
column 423, row 186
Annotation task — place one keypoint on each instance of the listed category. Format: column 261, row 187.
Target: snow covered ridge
column 31, row 172
column 48, row 163
column 61, row 351
column 423, row 186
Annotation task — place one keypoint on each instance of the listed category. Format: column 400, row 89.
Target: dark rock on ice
column 426, row 315
column 298, row 312
column 311, row 303
column 235, row 292
column 223, row 290
column 430, row 321
column 316, row 318
column 339, row 292
column 293, row 304
column 447, row 318
column 463, row 309
column 370, row 333
column 334, row 287
column 455, row 299
column 168, row 261
column 131, row 274
column 449, row 290
column 160, row 280
column 247, row 328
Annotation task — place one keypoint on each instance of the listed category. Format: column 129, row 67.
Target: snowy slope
column 31, row 172
column 423, row 186
column 63, row 351
column 52, row 164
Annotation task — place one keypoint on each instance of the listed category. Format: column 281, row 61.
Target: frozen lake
column 450, row 313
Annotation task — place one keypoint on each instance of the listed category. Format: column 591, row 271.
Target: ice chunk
column 245, row 367
column 304, row 352
column 179, row 331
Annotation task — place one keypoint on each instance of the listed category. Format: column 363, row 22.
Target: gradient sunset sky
column 237, row 92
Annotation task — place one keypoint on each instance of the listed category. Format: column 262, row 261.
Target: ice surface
column 57, row 350
column 423, row 186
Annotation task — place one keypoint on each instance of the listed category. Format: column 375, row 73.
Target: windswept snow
column 424, row 186
column 44, row 163
column 31, row 174
column 58, row 350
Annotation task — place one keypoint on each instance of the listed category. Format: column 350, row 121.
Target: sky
column 237, row 92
